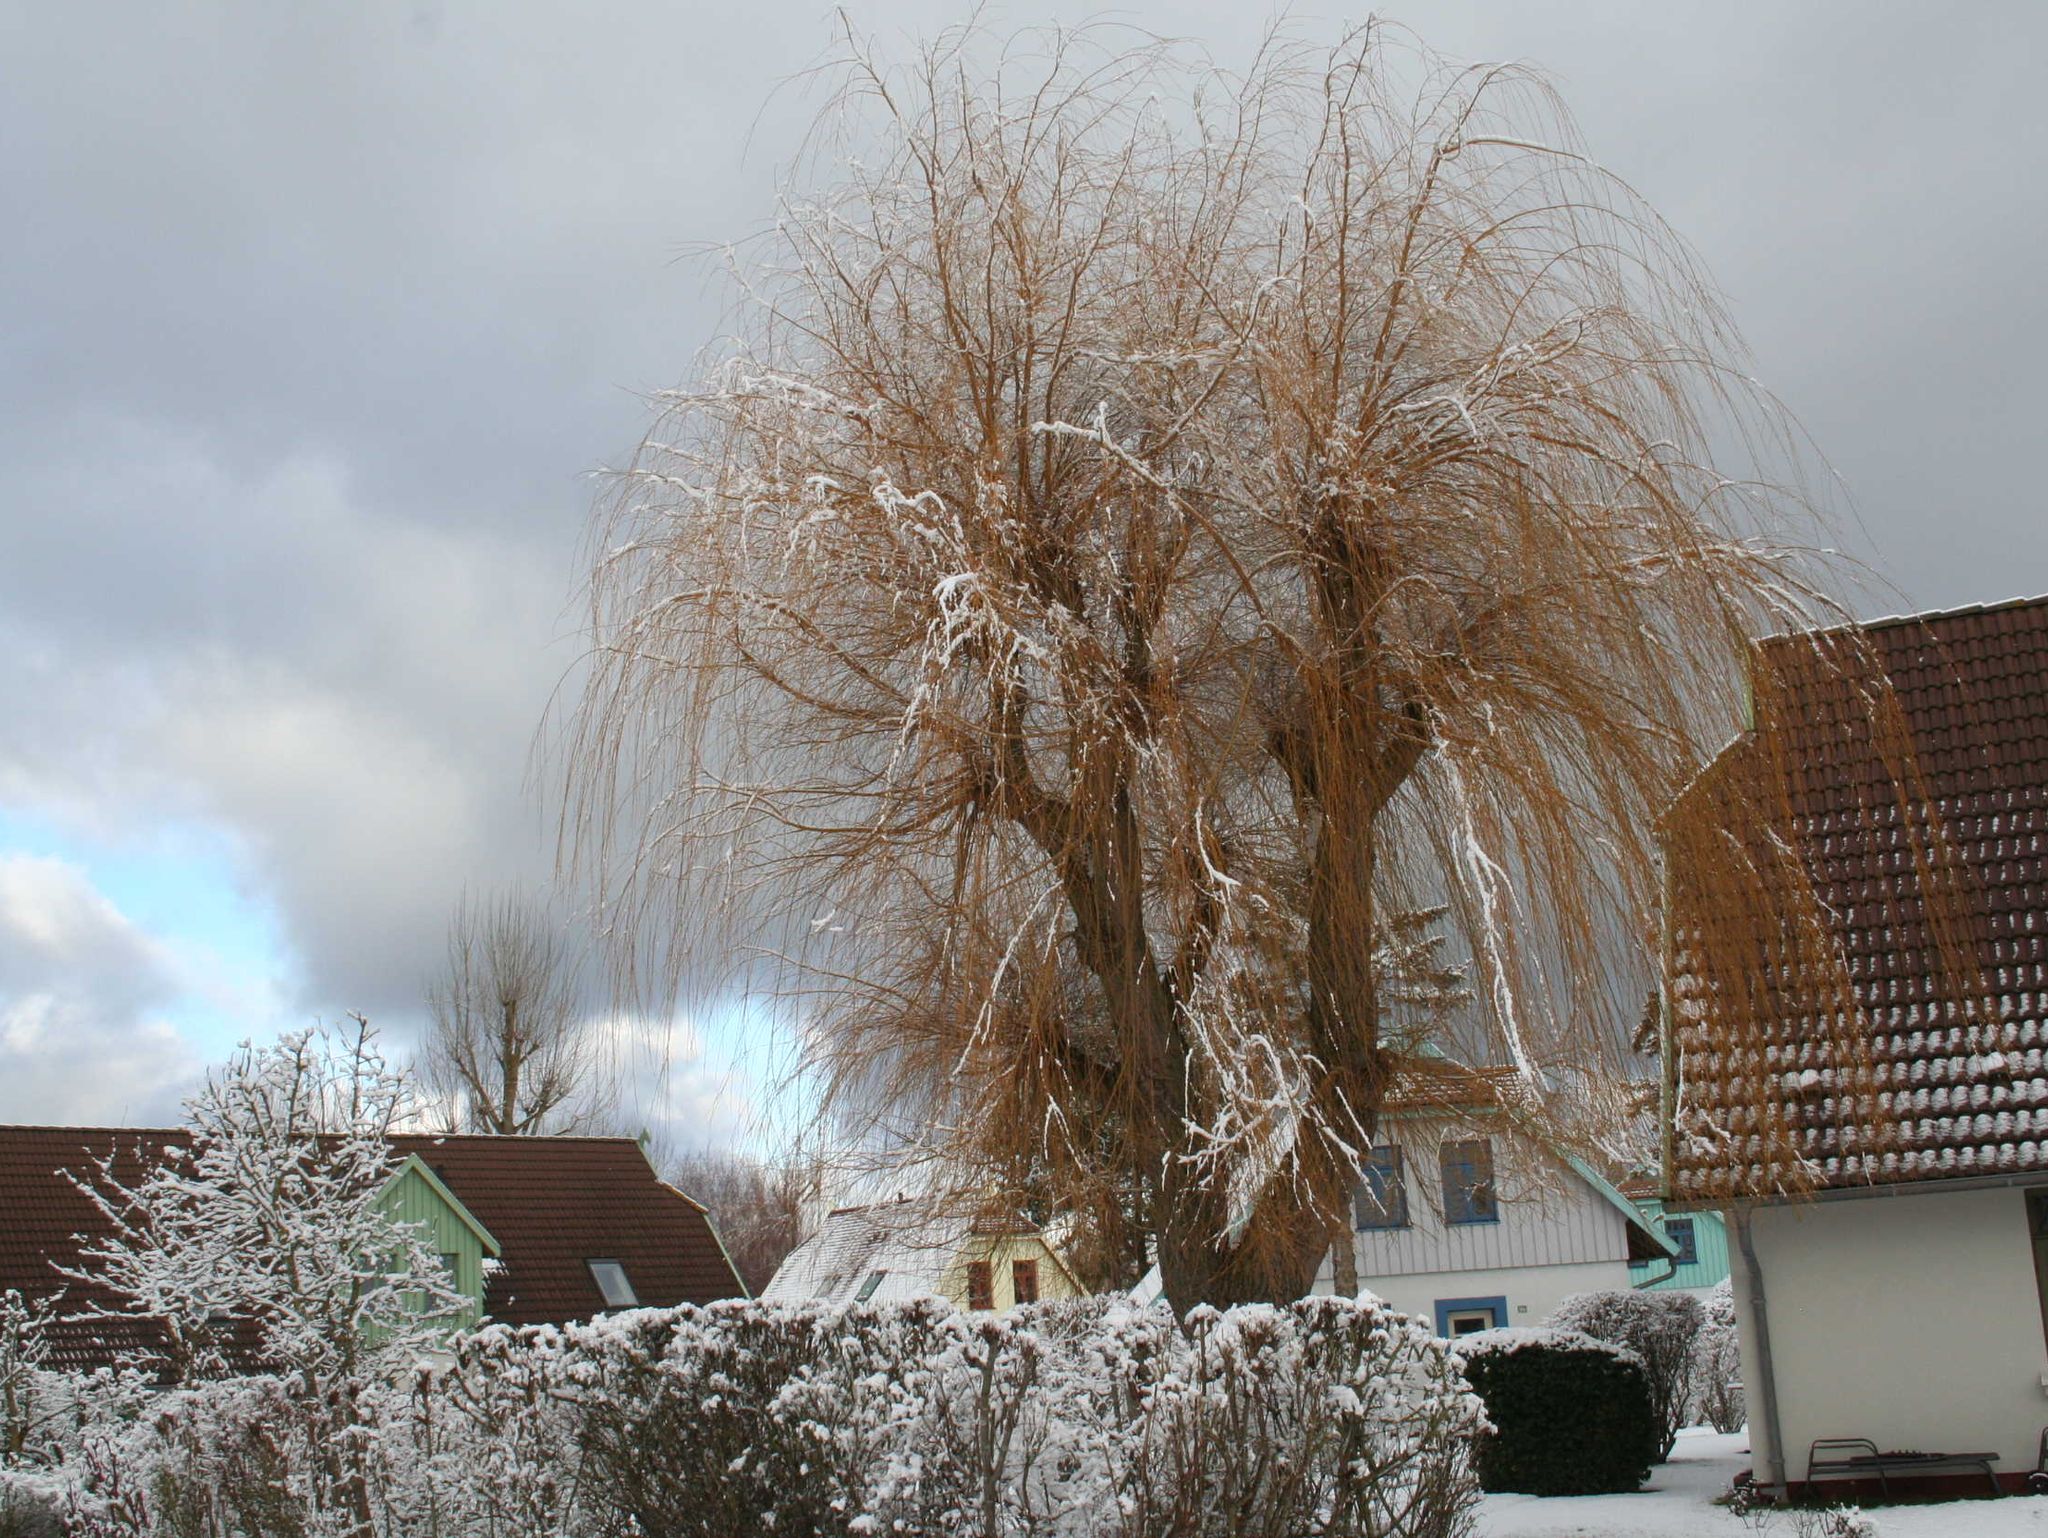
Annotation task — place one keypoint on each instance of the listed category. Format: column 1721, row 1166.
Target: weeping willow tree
column 1152, row 527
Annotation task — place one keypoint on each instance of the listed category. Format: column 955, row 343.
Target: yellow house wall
column 999, row 1250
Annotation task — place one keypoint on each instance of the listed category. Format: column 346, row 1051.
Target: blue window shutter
column 1467, row 1169
column 1679, row 1232
column 1382, row 1198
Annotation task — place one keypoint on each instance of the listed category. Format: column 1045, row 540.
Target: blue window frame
column 1469, row 1195
column 1382, row 1199
column 1679, row 1232
column 1464, row 1316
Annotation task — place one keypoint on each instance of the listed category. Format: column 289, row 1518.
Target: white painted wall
column 1549, row 1216
column 1912, row 1320
column 1532, row 1292
column 1556, row 1234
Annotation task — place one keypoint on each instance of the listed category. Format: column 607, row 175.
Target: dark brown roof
column 1941, row 1071
column 556, row 1203
column 553, row 1205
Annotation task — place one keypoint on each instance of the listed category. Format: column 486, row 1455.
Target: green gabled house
column 415, row 1194
column 1701, row 1239
column 533, row 1230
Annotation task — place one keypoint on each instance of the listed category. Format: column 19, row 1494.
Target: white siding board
column 1549, row 1216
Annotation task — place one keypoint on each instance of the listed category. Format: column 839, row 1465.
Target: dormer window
column 610, row 1277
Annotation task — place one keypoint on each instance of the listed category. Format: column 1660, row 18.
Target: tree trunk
column 508, row 1071
column 1343, row 1258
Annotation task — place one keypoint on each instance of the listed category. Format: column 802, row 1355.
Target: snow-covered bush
column 266, row 1242
column 1088, row 1420
column 1571, row 1415
column 1082, row 1421
column 1327, row 1416
column 1662, row 1329
column 717, row 1420
column 1717, row 1365
column 273, row 1298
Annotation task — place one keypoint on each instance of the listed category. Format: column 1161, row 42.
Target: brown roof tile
column 553, row 1204
column 1948, row 1076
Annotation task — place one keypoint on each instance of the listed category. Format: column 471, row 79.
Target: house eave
column 2037, row 1177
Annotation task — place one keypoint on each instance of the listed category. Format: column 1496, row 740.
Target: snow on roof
column 1939, row 1087
column 902, row 1246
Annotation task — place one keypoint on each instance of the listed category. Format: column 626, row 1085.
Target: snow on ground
column 1678, row 1503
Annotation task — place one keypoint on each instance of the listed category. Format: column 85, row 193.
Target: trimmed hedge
column 1571, row 1415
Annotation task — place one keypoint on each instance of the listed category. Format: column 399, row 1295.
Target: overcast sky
column 316, row 320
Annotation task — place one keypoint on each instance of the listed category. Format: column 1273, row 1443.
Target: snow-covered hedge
column 1717, row 1365
column 1090, row 1420
column 1571, row 1415
column 1662, row 1329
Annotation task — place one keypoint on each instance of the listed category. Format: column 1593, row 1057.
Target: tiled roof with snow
column 552, row 1204
column 1941, row 1074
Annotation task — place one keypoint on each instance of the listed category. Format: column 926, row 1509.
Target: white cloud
column 82, row 1034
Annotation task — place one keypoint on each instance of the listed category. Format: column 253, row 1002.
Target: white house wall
column 1532, row 1292
column 1556, row 1235
column 1912, row 1320
column 1549, row 1216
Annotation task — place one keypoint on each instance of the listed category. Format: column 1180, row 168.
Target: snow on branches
column 1149, row 530
column 265, row 1239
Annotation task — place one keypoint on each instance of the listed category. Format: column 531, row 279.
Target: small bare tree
column 1153, row 526
column 758, row 1207
column 508, row 1048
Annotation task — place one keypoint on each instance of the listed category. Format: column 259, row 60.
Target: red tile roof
column 1941, row 1074
column 553, row 1204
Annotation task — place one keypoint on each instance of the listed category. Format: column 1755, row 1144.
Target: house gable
column 894, row 1251
column 1551, row 1209
column 415, row 1194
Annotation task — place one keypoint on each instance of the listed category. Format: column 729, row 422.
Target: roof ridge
column 466, row 1137
column 1916, row 617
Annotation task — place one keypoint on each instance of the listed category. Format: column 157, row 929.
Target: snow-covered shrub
column 493, row 1438
column 1832, row 1522
column 1662, row 1329
column 742, row 1417
column 1061, row 1420
column 1068, row 1420
column 1717, row 1365
column 1571, row 1415
column 1329, row 1415
column 38, row 1407
column 273, row 1222
column 244, row 1457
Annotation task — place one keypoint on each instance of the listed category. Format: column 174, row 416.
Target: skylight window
column 610, row 1277
column 867, row 1288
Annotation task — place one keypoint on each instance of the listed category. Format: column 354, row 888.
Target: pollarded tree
column 508, row 1048
column 1152, row 524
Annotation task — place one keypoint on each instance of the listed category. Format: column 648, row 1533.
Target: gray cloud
column 317, row 320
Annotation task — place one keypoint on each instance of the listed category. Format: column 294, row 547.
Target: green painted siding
column 1710, row 1249
column 412, row 1198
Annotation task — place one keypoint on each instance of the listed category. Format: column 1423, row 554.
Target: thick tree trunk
column 1343, row 1258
